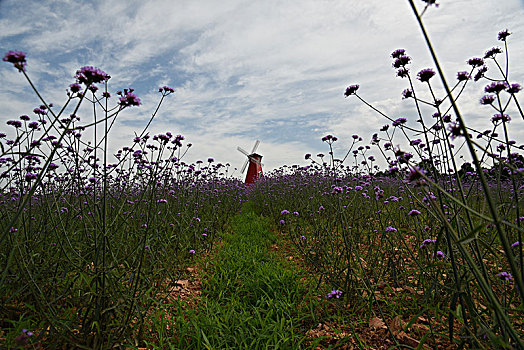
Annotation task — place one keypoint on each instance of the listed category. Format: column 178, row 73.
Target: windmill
column 255, row 166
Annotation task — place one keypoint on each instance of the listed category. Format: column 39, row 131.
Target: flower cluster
column 334, row 294
column 17, row 58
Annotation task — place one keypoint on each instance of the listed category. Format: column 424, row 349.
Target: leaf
column 377, row 323
column 396, row 325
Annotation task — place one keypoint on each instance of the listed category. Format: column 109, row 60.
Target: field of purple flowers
column 426, row 253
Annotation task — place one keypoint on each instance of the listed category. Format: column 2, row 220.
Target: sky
column 273, row 71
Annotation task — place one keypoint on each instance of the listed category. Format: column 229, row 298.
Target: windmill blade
column 244, row 166
column 243, row 151
column 255, row 146
column 254, row 160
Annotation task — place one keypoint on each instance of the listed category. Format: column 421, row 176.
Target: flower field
column 140, row 249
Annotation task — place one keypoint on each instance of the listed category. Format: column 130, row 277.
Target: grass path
column 251, row 297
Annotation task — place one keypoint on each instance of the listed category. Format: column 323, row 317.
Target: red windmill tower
column 255, row 166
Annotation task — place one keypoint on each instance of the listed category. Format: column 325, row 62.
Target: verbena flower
column 463, row 76
column 513, row 88
column 516, row 244
column 505, row 276
column 413, row 212
column 16, row 123
column 503, row 34
column 284, row 212
column 17, row 58
column 398, row 52
column 480, row 73
column 407, row 93
column 129, row 99
column 191, row 251
column 351, row 90
column 391, row 229
column 334, row 294
column 88, row 75
column 491, row 53
column 402, row 72
column 496, row 87
column 401, row 61
column 439, row 254
column 476, row 62
column 500, row 117
column 487, row 99
column 427, row 242
column 399, row 121
column 166, row 90
column 425, row 74
column 75, row 87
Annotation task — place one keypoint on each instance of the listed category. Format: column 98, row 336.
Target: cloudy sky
column 246, row 70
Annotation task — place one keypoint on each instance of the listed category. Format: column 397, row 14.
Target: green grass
column 251, row 297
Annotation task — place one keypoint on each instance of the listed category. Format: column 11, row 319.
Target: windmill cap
column 255, row 155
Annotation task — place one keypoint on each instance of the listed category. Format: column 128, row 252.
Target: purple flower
column 439, row 254
column 17, row 58
column 351, row 90
column 487, row 100
column 391, row 229
column 491, row 53
column 88, row 75
column 16, row 123
column 284, row 212
column 476, row 62
column 516, row 244
column 513, row 88
column 455, row 130
column 30, row 176
column 282, row 222
column 496, row 87
column 129, row 99
column 425, row 74
column 402, row 72
column 75, row 87
column 166, row 90
column 413, row 212
column 426, row 242
column 401, row 61
column 500, row 117
column 334, row 294
column 463, row 76
column 399, row 121
column 503, row 34
column 303, row 238
column 398, row 52
column 407, row 93
column 505, row 276
column 191, row 251
column 33, row 125
column 307, row 156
